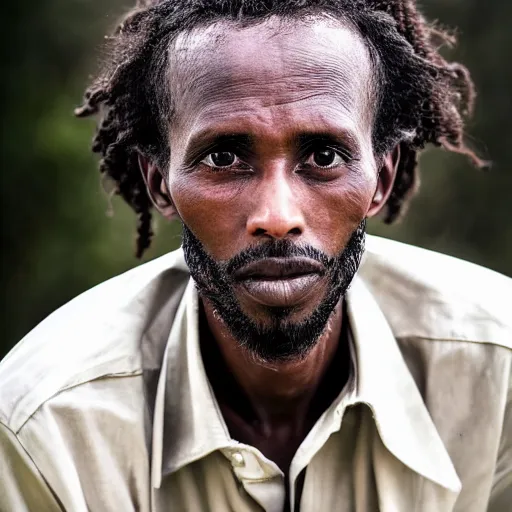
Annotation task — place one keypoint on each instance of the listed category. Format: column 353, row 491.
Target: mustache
column 275, row 248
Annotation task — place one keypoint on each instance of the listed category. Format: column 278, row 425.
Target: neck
column 273, row 394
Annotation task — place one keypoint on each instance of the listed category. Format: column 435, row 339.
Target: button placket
column 237, row 459
column 262, row 480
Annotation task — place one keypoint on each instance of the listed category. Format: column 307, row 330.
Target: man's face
column 272, row 172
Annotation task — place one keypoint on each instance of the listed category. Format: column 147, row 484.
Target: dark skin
column 281, row 441
column 274, row 102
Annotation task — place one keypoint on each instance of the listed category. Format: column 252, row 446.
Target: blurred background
column 58, row 235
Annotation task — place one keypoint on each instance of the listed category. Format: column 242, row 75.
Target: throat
column 277, row 442
column 273, row 408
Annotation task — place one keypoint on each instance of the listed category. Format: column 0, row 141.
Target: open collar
column 188, row 424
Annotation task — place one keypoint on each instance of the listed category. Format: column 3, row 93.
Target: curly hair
column 422, row 98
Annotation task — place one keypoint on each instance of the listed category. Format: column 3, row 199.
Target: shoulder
column 430, row 295
column 97, row 334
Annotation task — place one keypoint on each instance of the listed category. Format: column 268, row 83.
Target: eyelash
column 343, row 154
column 237, row 162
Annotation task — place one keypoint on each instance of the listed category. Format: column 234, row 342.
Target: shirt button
column 238, row 460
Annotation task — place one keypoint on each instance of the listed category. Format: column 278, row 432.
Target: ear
column 157, row 188
column 385, row 181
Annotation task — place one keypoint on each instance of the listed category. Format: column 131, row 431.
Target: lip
column 279, row 268
column 280, row 282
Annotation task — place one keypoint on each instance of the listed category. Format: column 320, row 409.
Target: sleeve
column 501, row 494
column 22, row 487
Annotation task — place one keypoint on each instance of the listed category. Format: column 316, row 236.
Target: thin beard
column 282, row 340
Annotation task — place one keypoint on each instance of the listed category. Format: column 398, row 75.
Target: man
column 253, row 369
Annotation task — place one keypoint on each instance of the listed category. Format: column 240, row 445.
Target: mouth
column 280, row 282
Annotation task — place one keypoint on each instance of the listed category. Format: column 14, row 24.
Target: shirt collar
column 385, row 384
column 188, row 424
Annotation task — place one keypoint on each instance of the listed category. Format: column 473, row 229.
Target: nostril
column 294, row 231
column 259, row 232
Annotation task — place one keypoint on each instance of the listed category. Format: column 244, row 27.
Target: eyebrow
column 344, row 140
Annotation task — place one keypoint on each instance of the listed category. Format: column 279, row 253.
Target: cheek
column 216, row 211
column 212, row 211
column 337, row 210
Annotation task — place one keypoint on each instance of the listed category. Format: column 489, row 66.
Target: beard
column 279, row 339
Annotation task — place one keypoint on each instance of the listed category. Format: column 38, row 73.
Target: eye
column 220, row 159
column 326, row 158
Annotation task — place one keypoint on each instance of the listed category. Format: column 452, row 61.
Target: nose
column 277, row 212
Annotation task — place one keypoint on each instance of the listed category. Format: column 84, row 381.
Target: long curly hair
column 422, row 98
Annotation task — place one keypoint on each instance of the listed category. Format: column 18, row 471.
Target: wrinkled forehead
column 279, row 59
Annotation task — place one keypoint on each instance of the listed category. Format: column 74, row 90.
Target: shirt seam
column 454, row 339
column 136, row 373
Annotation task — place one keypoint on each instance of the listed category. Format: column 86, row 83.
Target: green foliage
column 57, row 237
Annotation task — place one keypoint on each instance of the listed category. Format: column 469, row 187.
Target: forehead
column 304, row 72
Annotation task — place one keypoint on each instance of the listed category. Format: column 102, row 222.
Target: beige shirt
column 106, row 406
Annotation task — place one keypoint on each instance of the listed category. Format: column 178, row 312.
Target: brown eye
column 325, row 158
column 221, row 159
